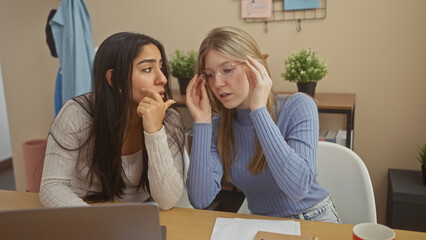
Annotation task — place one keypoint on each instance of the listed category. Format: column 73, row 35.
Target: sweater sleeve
column 67, row 130
column 290, row 145
column 205, row 169
column 165, row 172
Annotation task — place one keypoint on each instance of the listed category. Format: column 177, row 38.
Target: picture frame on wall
column 256, row 8
column 301, row 4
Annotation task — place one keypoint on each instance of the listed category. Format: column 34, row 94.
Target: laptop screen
column 104, row 221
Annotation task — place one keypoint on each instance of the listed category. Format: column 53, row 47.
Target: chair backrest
column 342, row 172
column 244, row 208
column 184, row 200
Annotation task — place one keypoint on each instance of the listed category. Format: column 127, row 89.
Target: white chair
column 342, row 172
column 184, row 200
column 244, row 208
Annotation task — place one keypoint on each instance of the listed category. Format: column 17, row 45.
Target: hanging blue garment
column 58, row 92
column 72, row 32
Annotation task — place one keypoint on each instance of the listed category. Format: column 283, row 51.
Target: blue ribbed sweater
column 288, row 186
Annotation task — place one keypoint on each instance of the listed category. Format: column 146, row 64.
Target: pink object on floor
column 33, row 153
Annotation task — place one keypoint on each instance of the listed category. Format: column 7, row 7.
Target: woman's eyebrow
column 146, row 60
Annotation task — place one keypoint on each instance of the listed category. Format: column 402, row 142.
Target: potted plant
column 305, row 68
column 182, row 65
column 422, row 160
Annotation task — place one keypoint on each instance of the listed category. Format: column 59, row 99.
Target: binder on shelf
column 341, row 137
column 331, row 136
column 322, row 134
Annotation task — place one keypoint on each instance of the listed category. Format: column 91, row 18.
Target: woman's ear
column 108, row 76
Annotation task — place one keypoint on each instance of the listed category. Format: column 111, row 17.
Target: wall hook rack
column 266, row 27
column 280, row 15
column 299, row 26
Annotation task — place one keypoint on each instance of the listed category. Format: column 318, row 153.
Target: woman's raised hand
column 197, row 100
column 260, row 83
column 152, row 109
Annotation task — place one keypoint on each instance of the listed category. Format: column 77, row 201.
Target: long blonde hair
column 234, row 44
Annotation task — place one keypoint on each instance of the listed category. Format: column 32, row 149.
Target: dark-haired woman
column 121, row 142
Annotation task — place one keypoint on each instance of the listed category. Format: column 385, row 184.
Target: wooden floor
column 7, row 180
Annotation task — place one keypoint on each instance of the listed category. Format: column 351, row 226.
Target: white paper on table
column 246, row 229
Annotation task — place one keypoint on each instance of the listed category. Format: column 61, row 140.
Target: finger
column 168, row 103
column 195, row 93
column 191, row 84
column 259, row 67
column 254, row 71
column 141, row 108
column 250, row 76
column 147, row 100
column 256, row 64
column 198, row 92
column 203, row 90
column 149, row 92
column 192, row 95
column 139, row 112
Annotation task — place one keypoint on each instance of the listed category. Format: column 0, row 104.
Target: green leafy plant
column 422, row 155
column 182, row 64
column 304, row 66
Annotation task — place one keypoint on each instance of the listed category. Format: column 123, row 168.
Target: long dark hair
column 109, row 105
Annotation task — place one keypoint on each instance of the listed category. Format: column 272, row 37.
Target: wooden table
column 194, row 224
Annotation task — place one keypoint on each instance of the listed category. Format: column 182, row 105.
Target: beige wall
column 376, row 49
column 28, row 74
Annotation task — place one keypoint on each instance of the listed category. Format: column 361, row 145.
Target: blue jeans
column 323, row 211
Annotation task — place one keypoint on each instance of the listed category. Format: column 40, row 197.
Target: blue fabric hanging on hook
column 72, row 33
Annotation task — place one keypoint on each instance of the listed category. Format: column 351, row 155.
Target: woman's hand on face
column 260, row 83
column 152, row 109
column 197, row 100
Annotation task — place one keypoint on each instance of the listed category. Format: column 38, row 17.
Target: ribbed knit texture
column 288, row 186
column 64, row 180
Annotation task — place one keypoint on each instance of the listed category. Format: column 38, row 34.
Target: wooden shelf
column 179, row 98
column 340, row 103
column 336, row 101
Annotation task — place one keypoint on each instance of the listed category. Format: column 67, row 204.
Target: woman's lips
column 225, row 96
column 162, row 94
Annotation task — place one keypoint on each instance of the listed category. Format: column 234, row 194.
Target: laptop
column 125, row 221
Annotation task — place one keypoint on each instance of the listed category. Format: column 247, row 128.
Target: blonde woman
column 264, row 144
